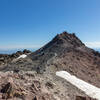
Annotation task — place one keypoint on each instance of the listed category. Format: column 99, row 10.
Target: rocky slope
column 7, row 58
column 67, row 52
column 32, row 86
column 64, row 52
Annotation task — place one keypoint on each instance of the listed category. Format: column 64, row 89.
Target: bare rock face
column 7, row 58
column 70, row 39
column 16, row 86
column 9, row 90
column 43, row 97
column 64, row 52
column 35, row 98
column 84, row 98
column 67, row 52
column 60, row 42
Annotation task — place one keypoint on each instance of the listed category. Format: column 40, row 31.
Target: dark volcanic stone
column 84, row 98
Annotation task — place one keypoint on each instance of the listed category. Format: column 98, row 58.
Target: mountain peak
column 68, row 38
column 61, row 42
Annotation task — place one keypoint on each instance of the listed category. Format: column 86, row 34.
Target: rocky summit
column 33, row 77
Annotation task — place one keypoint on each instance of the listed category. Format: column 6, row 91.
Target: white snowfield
column 22, row 56
column 90, row 90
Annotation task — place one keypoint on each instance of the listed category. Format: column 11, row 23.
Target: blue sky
column 32, row 23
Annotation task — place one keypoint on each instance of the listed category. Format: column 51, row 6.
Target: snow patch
column 22, row 56
column 89, row 89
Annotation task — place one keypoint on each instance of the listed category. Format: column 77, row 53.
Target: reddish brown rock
column 9, row 90
column 84, row 98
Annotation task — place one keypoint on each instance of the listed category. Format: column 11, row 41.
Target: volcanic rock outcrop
column 7, row 58
column 64, row 52
column 83, row 98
